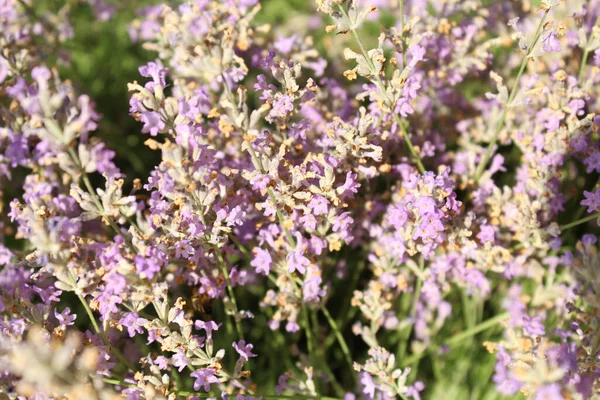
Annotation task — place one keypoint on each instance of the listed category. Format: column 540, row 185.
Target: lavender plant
column 388, row 199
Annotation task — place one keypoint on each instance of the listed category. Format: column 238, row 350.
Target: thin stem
column 117, row 382
column 339, row 391
column 415, row 302
column 375, row 73
column 460, row 337
column 467, row 310
column 309, row 337
column 237, row 382
column 402, row 34
column 340, row 338
column 403, row 345
column 310, row 342
column 238, row 324
column 97, row 329
column 513, row 93
column 579, row 222
column 240, row 247
column 586, row 52
column 90, row 314
column 477, row 329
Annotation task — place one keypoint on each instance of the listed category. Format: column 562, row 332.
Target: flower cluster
column 331, row 213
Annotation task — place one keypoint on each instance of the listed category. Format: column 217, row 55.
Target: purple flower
column 156, row 72
column 148, row 267
column 311, row 289
column 180, row 360
column 64, row 318
column 102, row 10
column 262, row 261
column 515, row 307
column 243, row 349
column 161, row 362
column 183, row 249
column 551, row 42
column 592, row 200
column 204, row 377
column 153, row 122
column 505, row 384
column 403, row 107
column 133, row 323
column 297, row 261
column 41, row 75
column 309, row 222
column 486, row 233
column 397, row 215
column 549, row 392
column 284, row 44
column 413, row 391
column 368, row 385
column 208, row 326
column 350, row 185
column 102, row 160
column 318, row 205
column 282, row 107
column 593, row 162
column 415, row 54
column 533, row 326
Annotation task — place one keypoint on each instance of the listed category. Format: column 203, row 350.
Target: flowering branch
column 375, row 73
column 587, row 49
column 490, row 149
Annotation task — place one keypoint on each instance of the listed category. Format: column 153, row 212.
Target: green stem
column 419, row 284
column 513, row 93
column 309, row 337
column 117, row 382
column 97, row 329
column 460, row 337
column 339, row 390
column 238, row 324
column 310, row 343
column 402, row 34
column 403, row 344
column 347, row 312
column 586, row 52
column 375, row 73
column 340, row 338
column 240, row 247
column 579, row 222
column 477, row 329
column 467, row 310
column 90, row 314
